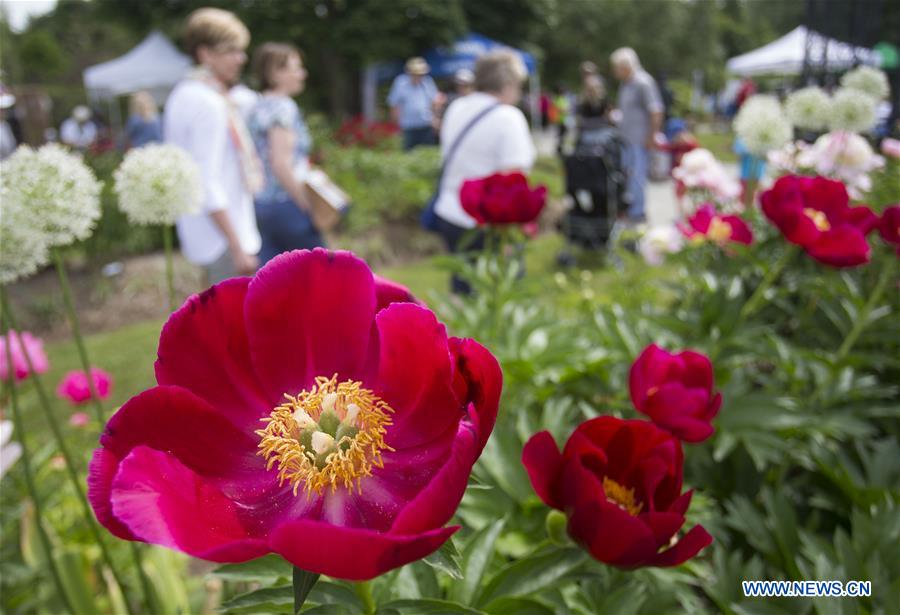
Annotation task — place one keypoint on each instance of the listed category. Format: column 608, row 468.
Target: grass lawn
column 720, row 144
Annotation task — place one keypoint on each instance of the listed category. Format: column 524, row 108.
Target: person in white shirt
column 498, row 142
column 199, row 118
column 79, row 131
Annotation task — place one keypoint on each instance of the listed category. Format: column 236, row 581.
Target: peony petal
column 611, row 535
column 351, row 553
column 101, row 472
column 203, row 348
column 436, row 503
column 388, row 292
column 309, row 314
column 543, row 462
column 479, row 385
column 164, row 503
column 690, row 545
column 842, row 246
column 415, row 375
column 664, row 525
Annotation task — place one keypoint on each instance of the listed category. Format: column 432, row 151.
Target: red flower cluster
column 502, row 198
column 619, row 482
column 300, row 412
column 359, row 132
column 76, row 388
column 706, row 224
column 676, row 392
column 814, row 213
column 889, row 226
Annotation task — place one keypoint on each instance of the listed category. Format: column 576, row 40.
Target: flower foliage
column 814, row 213
column 808, row 108
column 762, row 125
column 53, row 192
column 502, row 198
column 299, row 412
column 34, row 348
column 156, row 184
column 619, row 482
column 852, row 110
column 868, row 79
column 676, row 392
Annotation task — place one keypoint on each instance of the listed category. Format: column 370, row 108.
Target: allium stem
column 887, row 272
column 303, row 584
column 64, row 451
column 76, row 332
column 170, row 277
column 30, row 484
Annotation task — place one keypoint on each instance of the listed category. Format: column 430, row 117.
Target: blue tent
column 444, row 61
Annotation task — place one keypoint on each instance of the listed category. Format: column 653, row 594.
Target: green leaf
column 531, row 574
column 266, row 600
column 73, row 572
column 446, row 559
column 267, row 568
column 518, row 606
column 475, row 559
column 426, row 607
column 303, row 583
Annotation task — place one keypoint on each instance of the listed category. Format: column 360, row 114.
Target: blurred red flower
column 676, row 392
column 619, row 483
column 75, row 388
column 814, row 213
column 889, row 226
column 300, row 412
column 502, row 198
column 707, row 224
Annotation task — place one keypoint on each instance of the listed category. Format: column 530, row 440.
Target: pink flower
column 502, row 198
column 74, row 386
column 79, row 419
column 33, row 346
column 891, row 147
column 706, row 224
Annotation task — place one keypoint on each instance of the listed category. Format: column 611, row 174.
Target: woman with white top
column 497, row 142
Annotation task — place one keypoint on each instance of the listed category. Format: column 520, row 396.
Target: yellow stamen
column 326, row 460
column 719, row 231
column 621, row 496
column 818, row 217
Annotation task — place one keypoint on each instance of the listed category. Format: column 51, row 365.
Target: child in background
column 752, row 168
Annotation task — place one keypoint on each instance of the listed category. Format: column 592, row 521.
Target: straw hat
column 417, row 66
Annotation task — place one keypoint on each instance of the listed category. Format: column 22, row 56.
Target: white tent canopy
column 785, row 55
column 155, row 65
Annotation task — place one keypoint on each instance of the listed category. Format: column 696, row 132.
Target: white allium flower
column 762, row 125
column 56, row 192
column 23, row 247
column 784, row 160
column 659, row 241
column 156, row 184
column 808, row 108
column 867, row 79
column 852, row 110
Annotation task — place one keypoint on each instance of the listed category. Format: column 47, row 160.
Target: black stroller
column 596, row 182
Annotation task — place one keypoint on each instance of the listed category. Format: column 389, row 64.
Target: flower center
column 818, row 217
column 719, row 230
column 621, row 496
column 329, row 436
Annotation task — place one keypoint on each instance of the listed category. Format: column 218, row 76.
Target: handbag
column 327, row 202
column 429, row 217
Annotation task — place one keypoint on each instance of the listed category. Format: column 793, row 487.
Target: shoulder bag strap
column 459, row 139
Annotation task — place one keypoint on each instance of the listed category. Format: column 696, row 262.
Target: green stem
column 170, row 277
column 363, row 591
column 759, row 294
column 76, row 331
column 29, row 473
column 303, row 583
column 67, row 456
column 860, row 324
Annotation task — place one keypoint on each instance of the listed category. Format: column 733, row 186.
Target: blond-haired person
column 143, row 125
column 199, row 117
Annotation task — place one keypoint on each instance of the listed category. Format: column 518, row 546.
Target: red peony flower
column 502, row 199
column 889, row 226
column 814, row 213
column 676, row 392
column 20, row 344
column 74, row 386
column 292, row 416
column 619, row 483
column 706, row 224
column 388, row 292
